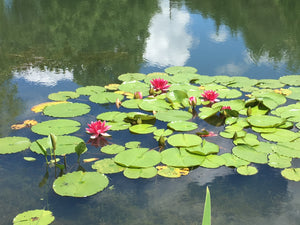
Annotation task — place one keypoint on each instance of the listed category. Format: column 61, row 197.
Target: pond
column 52, row 46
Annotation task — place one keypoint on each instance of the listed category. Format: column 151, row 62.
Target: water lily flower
column 97, row 129
column 211, row 96
column 138, row 95
column 118, row 103
column 160, row 84
column 226, row 107
column 193, row 101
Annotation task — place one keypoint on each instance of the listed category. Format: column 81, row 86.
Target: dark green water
column 50, row 46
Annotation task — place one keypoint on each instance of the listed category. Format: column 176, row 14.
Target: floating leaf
column 67, row 110
column 213, row 161
column 134, row 86
column 154, row 104
column 80, row 184
column 131, row 76
column 269, row 83
column 172, row 172
column 90, row 90
column 107, row 166
column 40, row 107
column 270, row 99
column 112, row 87
column 247, row 170
column 279, row 161
column 142, row 128
column 133, row 144
column 265, row 121
column 63, row 95
column 293, row 80
column 132, row 103
column 184, row 77
column 184, row 140
column 180, row 69
column 112, row 149
column 112, row 116
column 173, row 115
column 182, row 125
column 57, row 127
column 249, row 139
column 291, row 174
column 13, row 144
column 295, row 93
column 162, row 132
column 208, row 112
column 105, row 97
column 229, row 93
column 248, row 153
column 234, row 161
column 34, row 217
column 289, row 149
column 118, row 125
column 138, row 157
column 65, row 145
column 180, row 158
column 290, row 112
column 134, row 173
column 205, row 148
column 281, row 135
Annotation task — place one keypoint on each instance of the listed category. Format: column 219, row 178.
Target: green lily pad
column 173, row 115
column 105, row 97
column 207, row 112
column 34, row 217
column 213, row 161
column 234, row 161
column 67, row 110
column 248, row 153
column 247, row 170
column 153, row 104
column 281, row 135
column 289, row 149
column 57, row 127
column 184, row 140
column 63, row 95
column 80, row 184
column 249, row 139
column 180, row 69
column 118, row 125
column 112, row 149
column 138, row 157
column 134, row 86
column 279, row 161
column 229, row 93
column 176, row 96
column 156, row 75
column 293, row 80
column 172, row 172
column 90, row 90
column 134, row 173
column 133, row 144
column 162, row 132
column 182, row 126
column 241, row 82
column 290, row 112
column 291, row 174
column 222, row 79
column 204, row 79
column 131, row 76
column 270, row 99
column 236, row 104
column 295, row 93
column 107, row 166
column 205, row 148
column 132, row 103
column 180, row 158
column 265, row 121
column 13, row 144
column 269, row 83
column 184, row 77
column 140, row 116
column 112, row 116
column 64, row 145
column 142, row 128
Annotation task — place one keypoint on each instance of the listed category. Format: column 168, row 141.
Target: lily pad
column 134, row 173
column 173, row 115
column 289, row 149
column 153, row 104
column 205, row 148
column 131, row 76
column 248, row 153
column 67, row 110
column 265, row 121
column 63, row 95
column 162, row 132
column 142, row 129
column 112, row 116
column 105, row 97
column 64, row 145
column 293, row 80
column 281, row 135
column 13, row 144
column 182, row 125
column 90, row 90
column 132, row 103
column 118, row 125
column 180, row 158
column 34, row 217
column 180, row 69
column 213, row 161
column 57, row 127
column 184, row 140
column 172, row 172
column 291, row 174
column 234, row 161
column 112, row 149
column 269, row 83
column 80, row 184
column 134, row 86
column 247, row 170
column 279, row 161
column 249, row 139
column 138, row 158
column 208, row 112
column 295, row 93
column 133, row 144
column 107, row 166
column 290, row 112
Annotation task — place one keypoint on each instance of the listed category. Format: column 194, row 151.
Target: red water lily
column 211, row 96
column 160, row 84
column 193, row 101
column 226, row 107
column 97, row 129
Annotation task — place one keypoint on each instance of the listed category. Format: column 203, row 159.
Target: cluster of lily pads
column 261, row 117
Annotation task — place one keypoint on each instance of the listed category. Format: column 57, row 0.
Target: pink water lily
column 97, row 129
column 193, row 101
column 138, row 95
column 211, row 96
column 160, row 84
column 226, row 107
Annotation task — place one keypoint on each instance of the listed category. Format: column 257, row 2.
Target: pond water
column 51, row 46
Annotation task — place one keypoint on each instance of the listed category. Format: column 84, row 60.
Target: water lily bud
column 193, row 101
column 151, row 91
column 139, row 120
column 118, row 103
column 249, row 111
column 138, row 95
column 161, row 141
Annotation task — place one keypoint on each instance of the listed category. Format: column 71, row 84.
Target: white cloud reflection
column 169, row 42
column 221, row 35
column 43, row 77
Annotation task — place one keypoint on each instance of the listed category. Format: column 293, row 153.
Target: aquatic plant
column 210, row 96
column 160, row 84
column 97, row 128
